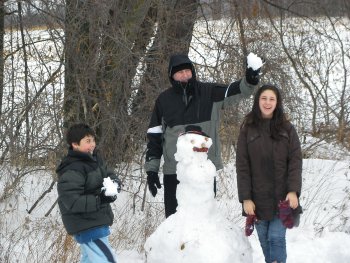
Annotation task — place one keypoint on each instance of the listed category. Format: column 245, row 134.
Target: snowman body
column 196, row 174
column 197, row 232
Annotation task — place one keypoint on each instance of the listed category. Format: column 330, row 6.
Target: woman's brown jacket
column 267, row 169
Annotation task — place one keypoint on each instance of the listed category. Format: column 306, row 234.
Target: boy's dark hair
column 77, row 132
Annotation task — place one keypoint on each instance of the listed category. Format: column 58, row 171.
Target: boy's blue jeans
column 272, row 237
column 97, row 251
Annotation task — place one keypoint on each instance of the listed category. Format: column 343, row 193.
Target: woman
column 269, row 166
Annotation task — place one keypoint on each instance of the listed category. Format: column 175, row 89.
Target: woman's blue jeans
column 272, row 237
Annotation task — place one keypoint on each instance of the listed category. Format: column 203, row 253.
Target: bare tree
column 103, row 52
column 315, row 61
column 173, row 34
column 34, row 82
column 2, row 33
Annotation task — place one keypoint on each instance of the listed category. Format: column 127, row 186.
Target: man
column 187, row 102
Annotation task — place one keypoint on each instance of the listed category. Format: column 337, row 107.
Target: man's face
column 86, row 145
column 183, row 75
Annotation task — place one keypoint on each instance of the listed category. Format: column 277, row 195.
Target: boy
column 85, row 209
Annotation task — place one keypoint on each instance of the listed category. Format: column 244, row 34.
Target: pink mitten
column 249, row 224
column 286, row 214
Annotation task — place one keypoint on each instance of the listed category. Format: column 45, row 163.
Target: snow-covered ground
column 323, row 234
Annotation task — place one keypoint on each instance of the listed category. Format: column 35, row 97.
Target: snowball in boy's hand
column 254, row 61
column 111, row 188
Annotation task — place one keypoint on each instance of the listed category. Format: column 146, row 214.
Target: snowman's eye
column 193, row 141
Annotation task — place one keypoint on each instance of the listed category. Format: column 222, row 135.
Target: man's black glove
column 105, row 198
column 252, row 76
column 254, row 64
column 153, row 182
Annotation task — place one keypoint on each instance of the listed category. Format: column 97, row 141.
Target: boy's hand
column 106, row 199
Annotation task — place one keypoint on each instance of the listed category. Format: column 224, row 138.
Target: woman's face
column 267, row 103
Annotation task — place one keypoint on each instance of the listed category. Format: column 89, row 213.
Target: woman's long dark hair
column 254, row 117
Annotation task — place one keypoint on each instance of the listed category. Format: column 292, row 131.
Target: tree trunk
column 104, row 49
column 26, row 87
column 174, row 33
column 2, row 34
column 126, row 33
column 78, row 97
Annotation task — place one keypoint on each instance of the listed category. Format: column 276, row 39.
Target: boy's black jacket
column 80, row 179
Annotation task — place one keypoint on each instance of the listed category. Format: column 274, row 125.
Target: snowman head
column 191, row 143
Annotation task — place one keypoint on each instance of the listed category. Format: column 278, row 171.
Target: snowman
column 197, row 232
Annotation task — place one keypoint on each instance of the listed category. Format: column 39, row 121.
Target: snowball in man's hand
column 110, row 187
column 254, row 61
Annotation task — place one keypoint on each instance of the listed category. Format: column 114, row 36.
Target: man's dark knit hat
column 180, row 67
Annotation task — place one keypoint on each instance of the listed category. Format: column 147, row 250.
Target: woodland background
column 105, row 61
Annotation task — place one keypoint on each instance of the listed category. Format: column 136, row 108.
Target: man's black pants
column 170, row 202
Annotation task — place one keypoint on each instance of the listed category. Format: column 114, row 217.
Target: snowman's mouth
column 202, row 149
